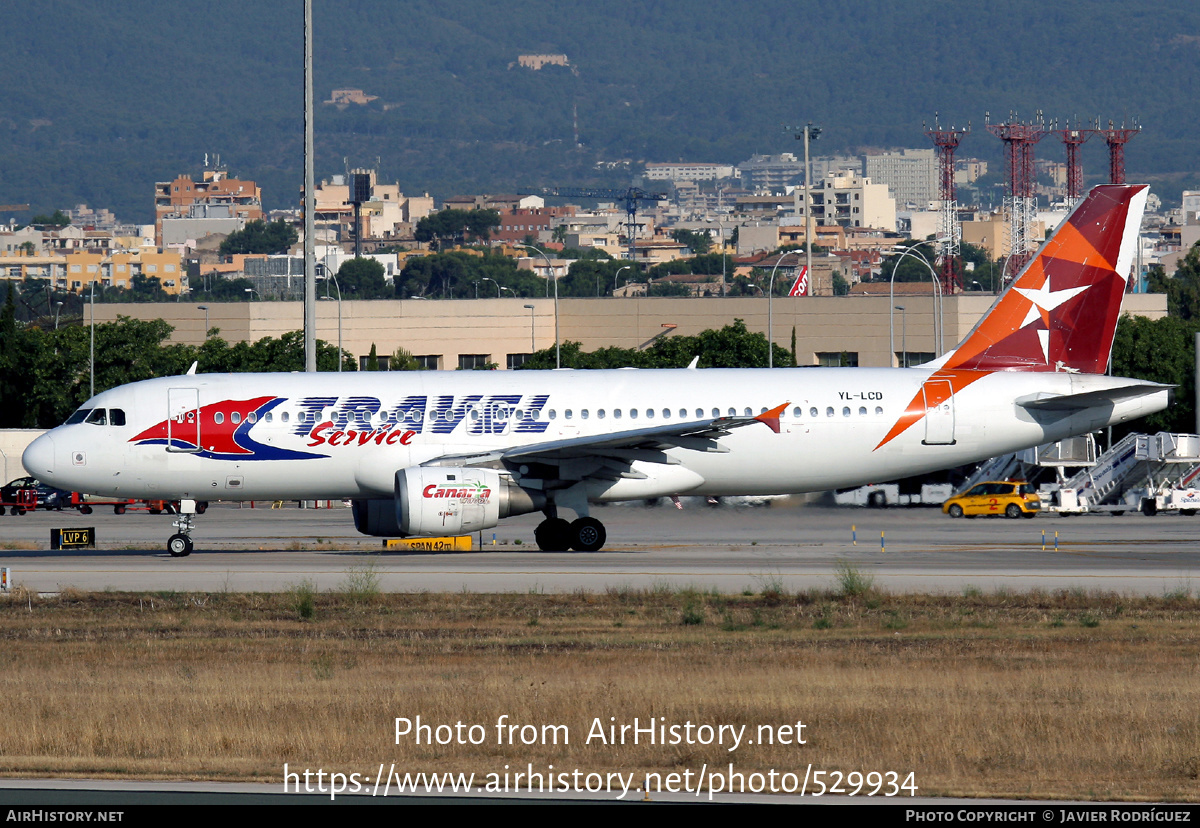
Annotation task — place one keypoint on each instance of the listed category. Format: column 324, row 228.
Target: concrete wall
column 499, row 327
column 13, row 442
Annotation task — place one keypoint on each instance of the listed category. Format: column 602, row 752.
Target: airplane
column 433, row 453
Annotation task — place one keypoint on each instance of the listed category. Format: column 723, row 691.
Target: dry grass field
column 1066, row 695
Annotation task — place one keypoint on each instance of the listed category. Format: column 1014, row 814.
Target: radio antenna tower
column 1116, row 138
column 1019, row 140
column 1073, row 139
column 949, row 232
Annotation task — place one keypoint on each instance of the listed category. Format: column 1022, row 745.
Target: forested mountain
column 101, row 100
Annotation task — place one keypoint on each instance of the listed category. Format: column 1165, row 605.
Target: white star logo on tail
column 1043, row 300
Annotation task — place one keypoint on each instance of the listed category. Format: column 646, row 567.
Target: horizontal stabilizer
column 1089, row 399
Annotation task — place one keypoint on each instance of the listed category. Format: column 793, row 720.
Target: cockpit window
column 99, row 416
column 79, row 416
column 116, row 416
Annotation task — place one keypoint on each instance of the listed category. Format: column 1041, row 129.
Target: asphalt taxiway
column 728, row 548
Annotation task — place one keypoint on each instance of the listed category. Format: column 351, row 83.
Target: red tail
column 1061, row 312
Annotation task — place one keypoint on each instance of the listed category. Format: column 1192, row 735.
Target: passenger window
column 812, row 412
column 829, row 411
column 567, row 414
column 750, row 411
column 617, row 414
column 286, row 416
column 553, row 414
column 862, row 412
column 649, row 413
column 666, row 413
column 98, row 417
column 269, row 417
column 600, row 414
column 218, row 418
column 583, row 415
column 633, row 413
column 116, row 416
column 732, row 412
column 716, row 412
column 699, row 413
column 797, row 413
column 878, row 410
column 235, row 417
column 534, row 414
column 846, row 411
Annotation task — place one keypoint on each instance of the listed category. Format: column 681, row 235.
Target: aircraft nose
column 38, row 458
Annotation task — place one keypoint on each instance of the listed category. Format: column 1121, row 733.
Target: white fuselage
column 318, row 436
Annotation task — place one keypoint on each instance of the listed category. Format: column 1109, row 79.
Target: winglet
column 771, row 418
column 695, row 361
column 191, row 371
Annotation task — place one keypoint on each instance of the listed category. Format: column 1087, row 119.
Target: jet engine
column 433, row 501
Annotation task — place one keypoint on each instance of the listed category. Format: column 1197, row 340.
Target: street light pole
column 903, row 335
column 617, row 276
column 771, row 315
column 92, row 346
column 557, row 347
column 205, row 309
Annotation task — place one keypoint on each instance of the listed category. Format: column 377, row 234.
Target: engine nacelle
column 433, row 501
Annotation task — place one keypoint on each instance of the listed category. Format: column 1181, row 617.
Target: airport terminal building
column 864, row 330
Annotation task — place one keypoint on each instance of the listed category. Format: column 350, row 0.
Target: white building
column 911, row 175
column 688, row 172
column 849, row 200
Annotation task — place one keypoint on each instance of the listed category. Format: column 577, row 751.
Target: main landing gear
column 585, row 534
column 180, row 544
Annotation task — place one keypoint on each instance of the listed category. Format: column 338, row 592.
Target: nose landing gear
column 179, row 545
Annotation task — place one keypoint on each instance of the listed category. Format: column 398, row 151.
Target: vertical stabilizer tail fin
column 1061, row 311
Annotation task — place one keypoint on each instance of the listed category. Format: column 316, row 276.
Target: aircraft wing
column 609, row 456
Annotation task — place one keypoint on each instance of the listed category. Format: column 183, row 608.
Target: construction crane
column 632, row 197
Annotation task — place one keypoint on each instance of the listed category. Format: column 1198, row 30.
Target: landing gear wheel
column 179, row 545
column 587, row 535
column 955, row 511
column 553, row 535
column 1012, row 511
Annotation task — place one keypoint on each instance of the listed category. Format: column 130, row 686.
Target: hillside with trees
column 103, row 100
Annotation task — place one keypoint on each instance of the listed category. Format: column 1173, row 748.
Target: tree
column 260, row 237
column 363, row 279
column 909, row 267
column 403, row 360
column 58, row 219
column 731, row 347
column 446, row 226
column 1182, row 289
column 698, row 243
column 1160, row 350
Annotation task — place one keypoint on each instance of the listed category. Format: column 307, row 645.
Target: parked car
column 1011, row 498
column 48, row 497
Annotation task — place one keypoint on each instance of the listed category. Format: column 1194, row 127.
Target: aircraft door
column 939, row 416
column 183, row 419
